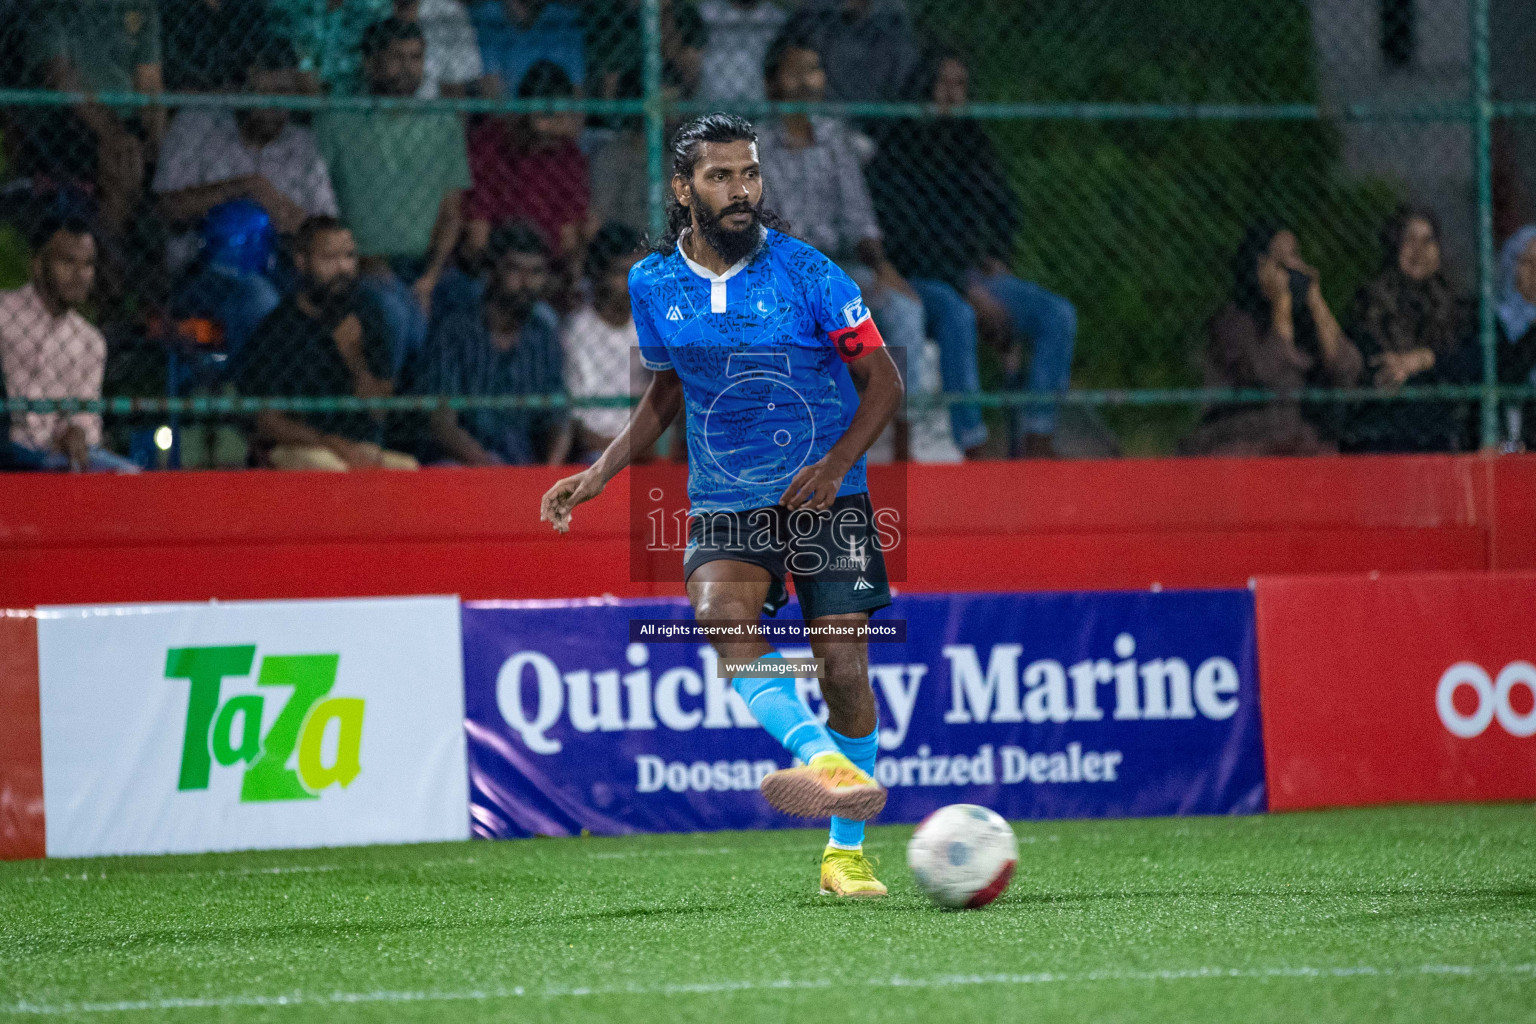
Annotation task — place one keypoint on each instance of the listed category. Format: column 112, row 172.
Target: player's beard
column 733, row 246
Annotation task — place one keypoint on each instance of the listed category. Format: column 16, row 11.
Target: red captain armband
column 857, row 341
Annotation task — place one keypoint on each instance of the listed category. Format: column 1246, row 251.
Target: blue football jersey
column 760, row 351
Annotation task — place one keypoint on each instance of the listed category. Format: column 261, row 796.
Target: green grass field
column 1410, row 914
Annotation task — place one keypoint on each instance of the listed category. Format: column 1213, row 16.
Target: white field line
column 26, row 1008
column 694, row 852
column 304, row 869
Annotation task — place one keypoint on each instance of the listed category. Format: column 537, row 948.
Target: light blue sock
column 777, row 706
column 861, row 752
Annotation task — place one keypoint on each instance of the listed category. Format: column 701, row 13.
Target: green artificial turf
column 1403, row 914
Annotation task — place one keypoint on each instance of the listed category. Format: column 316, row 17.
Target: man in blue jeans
column 820, row 190
column 942, row 194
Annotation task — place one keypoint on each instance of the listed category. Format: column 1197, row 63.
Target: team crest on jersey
column 762, row 301
column 855, row 313
column 674, row 314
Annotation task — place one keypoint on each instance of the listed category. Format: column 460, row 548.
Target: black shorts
column 834, row 555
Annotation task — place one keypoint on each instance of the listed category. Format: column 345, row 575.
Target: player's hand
column 555, row 507
column 814, row 487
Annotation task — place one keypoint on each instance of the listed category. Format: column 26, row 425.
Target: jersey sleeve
column 841, row 314
column 653, row 351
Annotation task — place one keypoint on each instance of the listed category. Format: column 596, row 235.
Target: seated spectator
column 921, row 435
column 812, row 174
column 619, row 179
column 529, row 168
column 48, row 350
column 738, row 34
column 1517, row 329
column 212, row 156
column 227, row 291
column 97, row 46
column 1412, row 329
column 941, row 192
column 453, row 68
column 516, row 34
column 209, row 44
column 505, row 345
column 598, row 338
column 321, row 342
column 327, row 35
column 867, row 46
column 616, row 49
column 399, row 178
column 1276, row 333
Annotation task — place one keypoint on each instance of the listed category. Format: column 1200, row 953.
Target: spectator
column 321, row 342
column 867, row 46
column 941, row 192
column 399, row 178
column 517, row 34
column 98, row 46
column 227, row 292
column 328, row 35
column 1517, row 327
column 598, row 338
column 924, row 435
column 812, row 175
column 1412, row 329
column 616, row 49
column 453, row 68
column 1276, row 333
column 739, row 33
column 214, row 155
column 504, row 346
column 212, row 313
column 529, row 168
column 49, row 350
column 619, row 179
column 209, row 44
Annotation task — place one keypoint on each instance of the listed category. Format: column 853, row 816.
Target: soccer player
column 786, row 383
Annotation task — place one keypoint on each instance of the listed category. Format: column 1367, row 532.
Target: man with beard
column 212, row 156
column 48, row 350
column 321, row 342
column 504, row 345
column 786, row 382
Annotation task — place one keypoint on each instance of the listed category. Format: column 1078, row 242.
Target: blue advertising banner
column 1036, row 705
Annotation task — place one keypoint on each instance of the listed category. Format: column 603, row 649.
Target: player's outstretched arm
column 658, row 407
column 880, row 390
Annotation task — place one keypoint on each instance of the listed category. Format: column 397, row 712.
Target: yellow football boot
column 848, row 873
column 830, row 785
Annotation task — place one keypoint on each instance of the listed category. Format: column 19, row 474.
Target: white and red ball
column 963, row 856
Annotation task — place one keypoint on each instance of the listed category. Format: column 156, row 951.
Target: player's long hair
column 686, row 146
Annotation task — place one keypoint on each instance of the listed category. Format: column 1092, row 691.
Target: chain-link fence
column 329, row 234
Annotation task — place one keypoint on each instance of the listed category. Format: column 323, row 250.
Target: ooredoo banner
column 1037, row 705
column 1398, row 688
column 243, row 725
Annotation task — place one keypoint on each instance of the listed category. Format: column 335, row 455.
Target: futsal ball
column 963, row 856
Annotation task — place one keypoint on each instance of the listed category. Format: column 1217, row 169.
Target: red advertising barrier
column 996, row 526
column 1414, row 687
column 21, row 739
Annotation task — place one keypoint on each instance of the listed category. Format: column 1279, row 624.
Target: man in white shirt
column 740, row 32
column 48, row 350
column 212, row 156
column 599, row 338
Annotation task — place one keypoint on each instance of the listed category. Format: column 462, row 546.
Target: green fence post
column 655, row 121
column 1482, row 169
